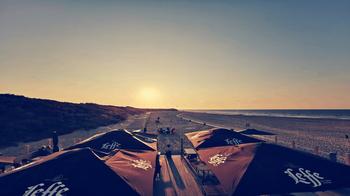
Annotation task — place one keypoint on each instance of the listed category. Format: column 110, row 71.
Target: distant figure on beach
column 145, row 130
column 2, row 168
column 25, row 161
column 247, row 125
column 55, row 147
column 168, row 152
column 43, row 151
column 158, row 167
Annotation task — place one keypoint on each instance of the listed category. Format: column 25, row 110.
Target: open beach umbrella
column 105, row 143
column 136, row 167
column 255, row 132
column 218, row 137
column 262, row 168
column 74, row 172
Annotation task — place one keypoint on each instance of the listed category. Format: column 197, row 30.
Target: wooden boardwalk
column 185, row 184
column 176, row 178
column 164, row 186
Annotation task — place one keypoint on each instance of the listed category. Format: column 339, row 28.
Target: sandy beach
column 23, row 149
column 307, row 133
column 326, row 134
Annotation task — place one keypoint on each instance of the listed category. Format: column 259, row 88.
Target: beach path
column 164, row 186
column 183, row 180
column 23, row 149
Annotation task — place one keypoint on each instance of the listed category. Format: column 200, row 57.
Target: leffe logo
column 233, row 141
column 142, row 164
column 217, row 159
column 307, row 177
column 51, row 187
column 110, row 146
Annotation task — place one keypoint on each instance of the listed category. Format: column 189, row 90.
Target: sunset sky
column 184, row 54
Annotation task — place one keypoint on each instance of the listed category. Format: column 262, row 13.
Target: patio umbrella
column 261, row 168
column 218, row 137
column 74, row 172
column 255, row 132
column 105, row 143
column 136, row 167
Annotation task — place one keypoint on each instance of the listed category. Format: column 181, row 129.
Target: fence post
column 347, row 158
column 316, row 150
column 293, row 144
column 27, row 148
column 333, row 156
column 182, row 147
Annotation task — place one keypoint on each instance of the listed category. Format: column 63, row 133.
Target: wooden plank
column 186, row 183
column 164, row 185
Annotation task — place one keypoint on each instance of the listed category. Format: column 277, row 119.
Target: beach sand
column 23, row 149
column 307, row 133
column 326, row 134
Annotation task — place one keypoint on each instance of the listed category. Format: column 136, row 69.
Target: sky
column 193, row 54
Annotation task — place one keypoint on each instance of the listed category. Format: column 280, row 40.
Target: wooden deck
column 176, row 178
column 185, row 184
column 164, row 186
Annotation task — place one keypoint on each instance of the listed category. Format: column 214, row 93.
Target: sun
column 149, row 94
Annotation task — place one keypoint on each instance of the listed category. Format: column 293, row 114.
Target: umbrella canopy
column 255, row 132
column 75, row 172
column 109, row 141
column 218, row 137
column 261, row 168
column 136, row 167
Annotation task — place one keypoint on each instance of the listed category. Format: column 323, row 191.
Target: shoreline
column 272, row 116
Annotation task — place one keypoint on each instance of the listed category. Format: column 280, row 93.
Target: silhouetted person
column 168, row 130
column 2, row 168
column 17, row 165
column 158, row 167
column 55, row 147
column 168, row 152
column 25, row 161
column 43, row 151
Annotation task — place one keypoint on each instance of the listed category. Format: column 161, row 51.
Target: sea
column 315, row 113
